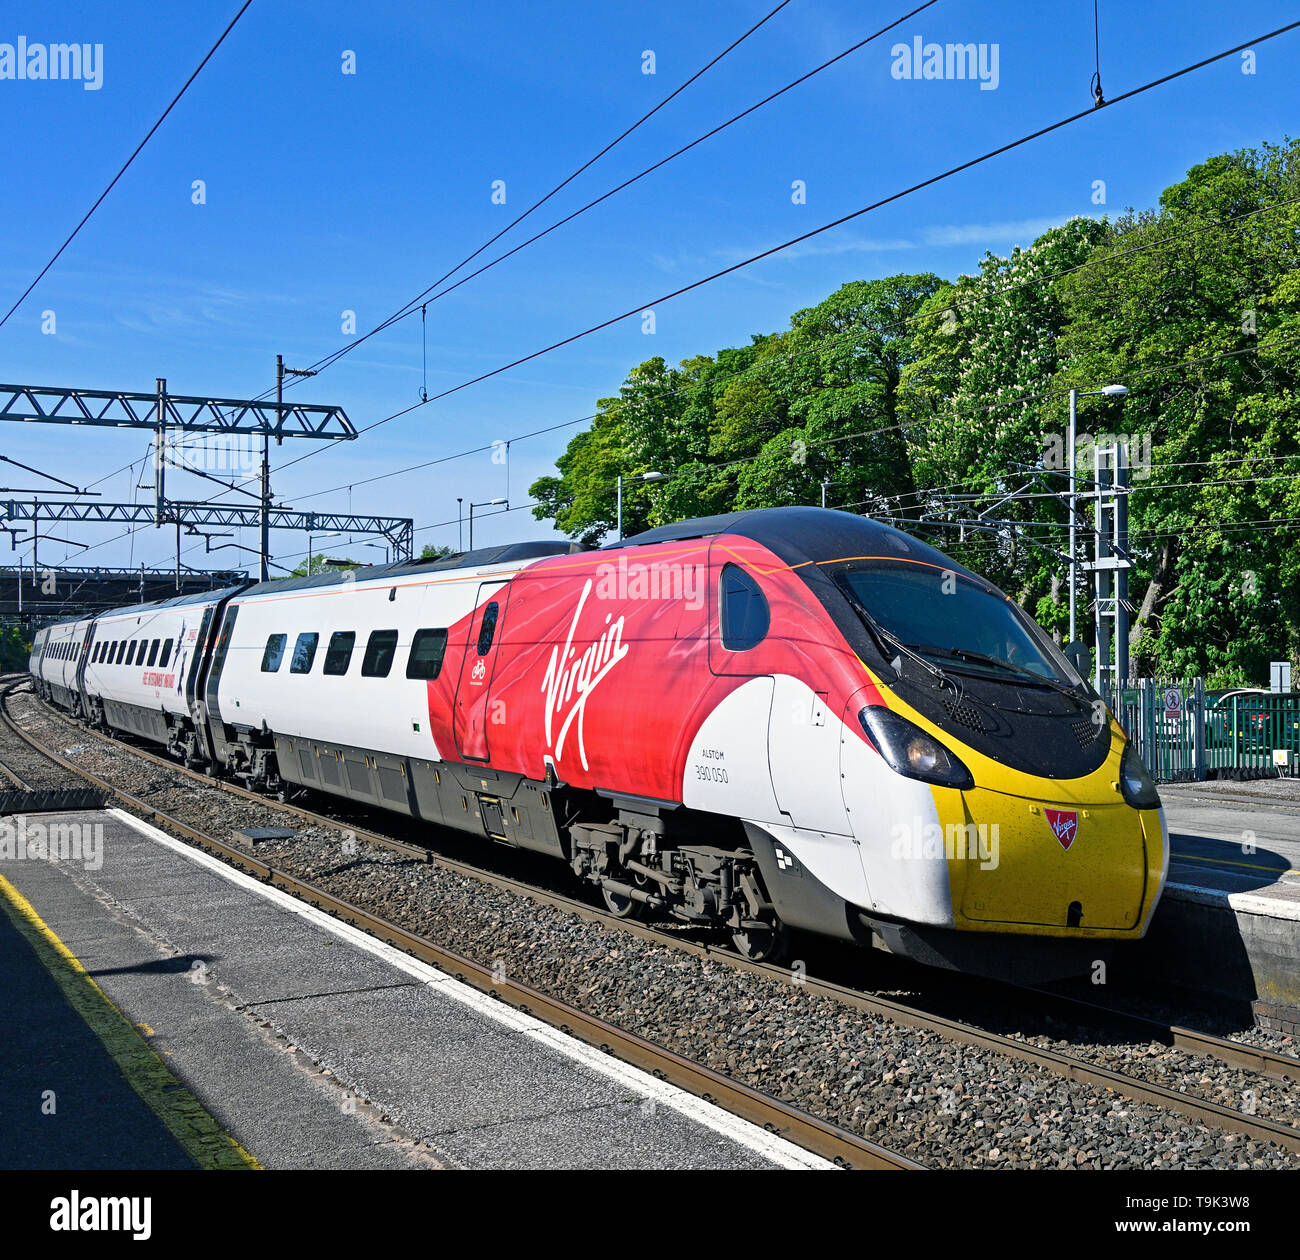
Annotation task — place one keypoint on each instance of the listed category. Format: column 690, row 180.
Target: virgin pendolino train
column 788, row 718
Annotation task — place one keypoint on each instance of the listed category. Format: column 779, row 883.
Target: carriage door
column 473, row 712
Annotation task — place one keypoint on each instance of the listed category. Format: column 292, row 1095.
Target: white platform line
column 777, row 1150
column 1242, row 903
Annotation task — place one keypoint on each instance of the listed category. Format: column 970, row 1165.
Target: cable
column 136, row 153
column 820, row 346
column 415, row 304
column 1278, row 343
column 409, row 308
column 1099, row 98
column 826, row 227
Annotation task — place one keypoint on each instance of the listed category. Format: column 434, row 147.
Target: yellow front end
column 1070, row 857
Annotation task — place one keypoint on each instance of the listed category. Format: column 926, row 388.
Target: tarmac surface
column 184, row 1015
column 1240, row 838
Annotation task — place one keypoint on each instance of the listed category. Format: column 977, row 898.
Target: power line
column 1281, row 342
column 412, row 306
column 135, row 153
column 820, row 346
column 838, row 222
column 826, row 227
column 419, row 302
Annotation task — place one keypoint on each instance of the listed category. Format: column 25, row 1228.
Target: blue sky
column 328, row 192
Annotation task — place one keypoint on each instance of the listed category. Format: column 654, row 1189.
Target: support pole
column 160, row 452
column 1121, row 574
column 1073, row 508
column 266, row 474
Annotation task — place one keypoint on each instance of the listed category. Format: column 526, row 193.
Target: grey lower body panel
column 995, row 955
column 504, row 807
column 149, row 724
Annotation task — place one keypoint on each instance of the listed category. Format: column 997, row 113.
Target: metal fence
column 1183, row 732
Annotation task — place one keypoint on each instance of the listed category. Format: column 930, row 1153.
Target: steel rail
column 1070, row 1067
column 808, row 1131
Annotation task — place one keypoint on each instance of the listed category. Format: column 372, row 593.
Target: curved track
column 814, row 1134
column 1073, row 1068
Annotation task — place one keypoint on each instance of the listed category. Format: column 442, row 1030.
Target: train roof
column 801, row 534
column 480, row 557
column 177, row 601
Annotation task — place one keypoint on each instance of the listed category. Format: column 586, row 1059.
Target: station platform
column 1229, row 921
column 177, row 1013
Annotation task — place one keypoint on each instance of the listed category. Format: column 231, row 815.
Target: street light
column 1106, row 391
column 650, row 476
column 472, row 506
column 380, row 546
column 319, row 537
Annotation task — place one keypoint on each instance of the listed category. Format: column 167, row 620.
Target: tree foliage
column 943, row 407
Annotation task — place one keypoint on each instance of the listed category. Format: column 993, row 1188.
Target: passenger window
column 427, row 650
column 743, row 612
column 380, row 650
column 166, row 653
column 153, row 653
column 339, row 653
column 304, row 653
column 273, row 654
column 489, row 627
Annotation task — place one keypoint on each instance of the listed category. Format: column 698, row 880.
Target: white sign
column 1173, row 701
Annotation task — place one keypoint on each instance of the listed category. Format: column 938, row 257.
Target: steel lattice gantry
column 399, row 530
column 117, row 409
column 30, row 597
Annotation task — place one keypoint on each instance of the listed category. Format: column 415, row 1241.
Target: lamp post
column 472, row 506
column 1106, row 391
column 650, row 476
column 319, row 537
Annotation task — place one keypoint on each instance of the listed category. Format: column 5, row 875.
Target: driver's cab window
column 743, row 614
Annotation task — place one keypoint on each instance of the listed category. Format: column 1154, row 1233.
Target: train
column 771, row 723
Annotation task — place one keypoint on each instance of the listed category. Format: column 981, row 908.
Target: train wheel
column 759, row 944
column 621, row 906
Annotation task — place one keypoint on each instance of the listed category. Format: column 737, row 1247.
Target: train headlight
column 1135, row 783
column 910, row 751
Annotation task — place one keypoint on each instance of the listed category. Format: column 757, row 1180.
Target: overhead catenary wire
column 126, row 165
column 410, row 307
column 838, row 222
column 821, row 345
column 419, row 302
column 932, row 180
column 1281, row 342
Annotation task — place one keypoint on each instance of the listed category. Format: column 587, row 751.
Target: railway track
column 846, row 1149
column 1244, row 1058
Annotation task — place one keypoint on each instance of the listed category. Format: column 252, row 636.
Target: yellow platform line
column 197, row 1132
column 1216, row 861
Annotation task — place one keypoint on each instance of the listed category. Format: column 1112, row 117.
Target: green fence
column 1183, row 732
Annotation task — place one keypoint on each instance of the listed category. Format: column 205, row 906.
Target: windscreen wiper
column 1032, row 679
column 885, row 637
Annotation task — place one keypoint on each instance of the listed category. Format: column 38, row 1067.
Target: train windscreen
column 961, row 625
